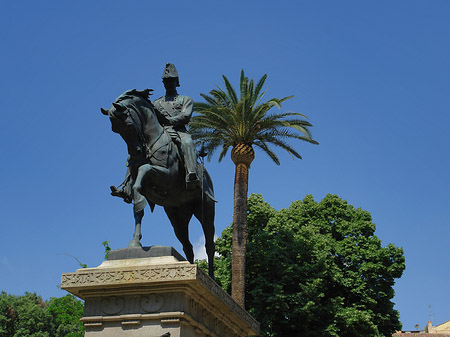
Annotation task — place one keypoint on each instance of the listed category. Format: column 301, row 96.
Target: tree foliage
column 66, row 312
column 316, row 268
column 30, row 316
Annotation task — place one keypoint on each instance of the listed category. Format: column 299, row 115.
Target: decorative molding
column 112, row 305
column 131, row 322
column 97, row 276
column 93, row 324
column 151, row 303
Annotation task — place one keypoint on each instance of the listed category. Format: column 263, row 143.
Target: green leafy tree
column 30, row 316
column 24, row 316
column 66, row 312
column 316, row 269
column 7, row 315
column 225, row 121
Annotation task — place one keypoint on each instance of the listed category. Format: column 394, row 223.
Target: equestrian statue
column 162, row 167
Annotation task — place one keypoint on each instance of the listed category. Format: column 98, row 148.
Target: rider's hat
column 171, row 72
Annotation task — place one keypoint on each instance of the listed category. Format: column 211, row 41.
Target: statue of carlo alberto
column 174, row 112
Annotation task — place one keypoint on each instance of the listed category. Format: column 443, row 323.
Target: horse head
column 127, row 124
column 133, row 117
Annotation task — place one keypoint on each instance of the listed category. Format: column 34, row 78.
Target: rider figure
column 174, row 112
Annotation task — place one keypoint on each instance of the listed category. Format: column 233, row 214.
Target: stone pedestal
column 153, row 296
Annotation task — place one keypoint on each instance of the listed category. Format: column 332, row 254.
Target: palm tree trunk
column 239, row 240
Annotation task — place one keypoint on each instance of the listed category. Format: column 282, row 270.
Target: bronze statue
column 157, row 142
column 174, row 112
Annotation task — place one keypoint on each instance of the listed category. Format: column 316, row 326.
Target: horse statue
column 157, row 175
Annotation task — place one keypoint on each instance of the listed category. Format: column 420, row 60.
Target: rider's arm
column 163, row 118
column 184, row 116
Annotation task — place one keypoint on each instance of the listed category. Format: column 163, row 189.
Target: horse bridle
column 143, row 139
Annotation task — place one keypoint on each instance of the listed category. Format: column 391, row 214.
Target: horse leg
column 158, row 173
column 179, row 218
column 139, row 203
column 138, row 199
column 137, row 236
column 205, row 215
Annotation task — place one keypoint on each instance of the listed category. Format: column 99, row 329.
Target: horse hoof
column 134, row 243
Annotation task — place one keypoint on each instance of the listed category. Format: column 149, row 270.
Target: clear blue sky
column 372, row 76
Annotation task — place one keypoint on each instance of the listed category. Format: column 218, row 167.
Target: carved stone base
column 153, row 296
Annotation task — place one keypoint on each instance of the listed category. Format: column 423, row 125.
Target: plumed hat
column 170, row 72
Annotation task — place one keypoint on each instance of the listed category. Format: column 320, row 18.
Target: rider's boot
column 190, row 162
column 121, row 194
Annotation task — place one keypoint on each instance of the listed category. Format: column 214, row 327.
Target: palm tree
column 226, row 121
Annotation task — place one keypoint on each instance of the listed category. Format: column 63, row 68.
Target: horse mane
column 138, row 100
column 130, row 94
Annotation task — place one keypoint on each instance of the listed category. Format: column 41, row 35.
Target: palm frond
column 259, row 85
column 285, row 146
column 198, row 106
column 221, row 97
column 223, row 120
column 224, row 151
column 211, row 147
column 230, row 90
column 282, row 134
column 263, row 146
column 243, row 85
column 251, row 91
column 210, row 100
